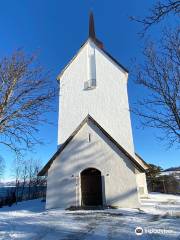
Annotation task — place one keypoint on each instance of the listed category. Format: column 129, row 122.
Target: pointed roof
column 92, row 33
column 98, row 43
column 88, row 119
column 141, row 161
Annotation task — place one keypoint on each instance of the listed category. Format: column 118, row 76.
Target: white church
column 95, row 164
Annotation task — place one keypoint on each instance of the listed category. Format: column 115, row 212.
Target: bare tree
column 28, row 184
column 24, row 178
column 160, row 75
column 158, row 12
column 33, row 166
column 26, row 95
column 17, row 173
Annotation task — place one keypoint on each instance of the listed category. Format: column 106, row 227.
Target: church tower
column 94, row 83
column 95, row 163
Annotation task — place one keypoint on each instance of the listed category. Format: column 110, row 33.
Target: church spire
column 92, row 33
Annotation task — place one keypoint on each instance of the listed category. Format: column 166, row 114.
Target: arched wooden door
column 91, row 187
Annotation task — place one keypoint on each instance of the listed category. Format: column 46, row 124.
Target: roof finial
column 92, row 33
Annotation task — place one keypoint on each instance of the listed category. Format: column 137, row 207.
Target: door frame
column 80, row 189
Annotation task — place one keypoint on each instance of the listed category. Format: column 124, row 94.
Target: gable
column 73, row 60
column 97, row 152
column 104, row 52
column 103, row 134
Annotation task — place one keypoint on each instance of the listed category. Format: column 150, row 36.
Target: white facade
column 141, row 185
column 117, row 171
column 93, row 84
column 107, row 103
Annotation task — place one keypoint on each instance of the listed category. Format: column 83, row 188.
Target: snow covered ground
column 159, row 219
column 159, row 203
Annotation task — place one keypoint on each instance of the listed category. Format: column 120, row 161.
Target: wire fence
column 164, row 184
column 11, row 195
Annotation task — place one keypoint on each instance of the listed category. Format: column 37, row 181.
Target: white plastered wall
column 141, row 185
column 118, row 172
column 107, row 103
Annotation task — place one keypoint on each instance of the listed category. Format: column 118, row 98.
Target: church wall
column 118, row 173
column 116, row 117
column 141, row 184
column 107, row 103
column 71, row 98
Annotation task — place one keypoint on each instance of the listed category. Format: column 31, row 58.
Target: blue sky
column 57, row 29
